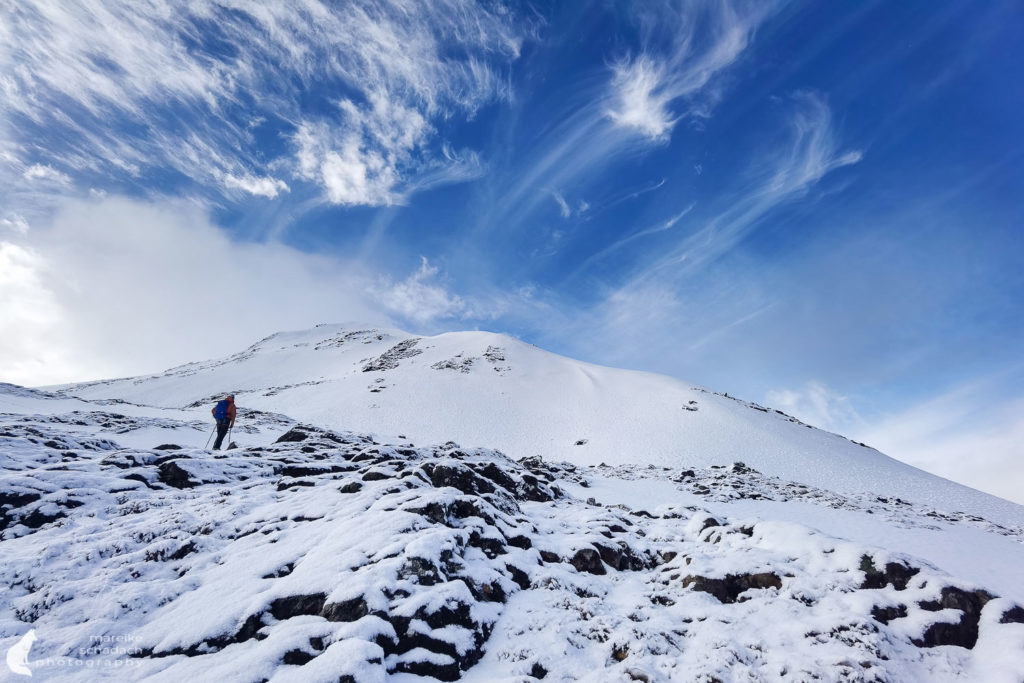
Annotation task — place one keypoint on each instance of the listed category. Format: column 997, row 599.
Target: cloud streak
column 685, row 49
column 665, row 306
column 661, row 226
column 175, row 88
column 782, row 175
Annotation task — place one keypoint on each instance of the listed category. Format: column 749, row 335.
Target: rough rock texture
column 390, row 359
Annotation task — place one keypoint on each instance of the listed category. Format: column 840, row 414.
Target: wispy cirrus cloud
column 349, row 92
column 264, row 187
column 563, row 206
column 777, row 176
column 658, row 227
column 668, row 302
column 684, row 45
column 46, row 173
column 819, row 405
column 685, row 48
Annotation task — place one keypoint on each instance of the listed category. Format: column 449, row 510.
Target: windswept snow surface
column 665, row 533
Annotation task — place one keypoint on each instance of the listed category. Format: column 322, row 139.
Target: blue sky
column 813, row 205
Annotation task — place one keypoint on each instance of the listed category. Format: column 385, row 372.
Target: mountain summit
column 470, row 506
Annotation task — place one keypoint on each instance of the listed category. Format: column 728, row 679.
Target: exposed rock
column 285, row 608
column 497, row 475
column 310, row 470
column 172, row 474
column 965, row 632
column 460, row 477
column 347, row 610
column 292, row 435
column 297, row 657
column 620, row 557
column 587, row 560
column 728, row 589
column 458, row 363
column 11, row 501
column 389, row 360
column 709, row 523
column 887, row 614
column 896, row 574
column 1014, row 615
column 37, row 518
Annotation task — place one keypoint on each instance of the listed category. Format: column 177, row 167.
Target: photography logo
column 17, row 656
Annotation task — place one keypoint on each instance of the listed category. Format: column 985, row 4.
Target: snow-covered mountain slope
column 485, row 389
column 664, row 533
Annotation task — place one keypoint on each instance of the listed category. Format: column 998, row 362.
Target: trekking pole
column 229, row 435
column 211, row 436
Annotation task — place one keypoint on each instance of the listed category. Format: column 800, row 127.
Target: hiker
column 224, row 414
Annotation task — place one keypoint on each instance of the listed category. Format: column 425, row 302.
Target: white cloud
column 972, row 434
column 563, row 206
column 46, row 173
column 16, row 223
column 685, row 45
column 666, row 313
column 779, row 176
column 264, row 187
column 662, row 226
column 818, row 405
column 30, row 317
column 350, row 171
column 93, row 296
column 400, row 64
column 378, row 156
column 813, row 152
column 641, row 99
column 89, row 295
column 420, row 297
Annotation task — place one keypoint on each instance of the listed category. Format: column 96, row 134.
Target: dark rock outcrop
column 729, row 588
column 964, row 633
column 173, row 475
column 895, row 574
column 587, row 560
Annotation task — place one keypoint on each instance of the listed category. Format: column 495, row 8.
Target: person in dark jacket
column 224, row 414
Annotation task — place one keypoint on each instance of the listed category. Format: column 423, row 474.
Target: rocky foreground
column 335, row 557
